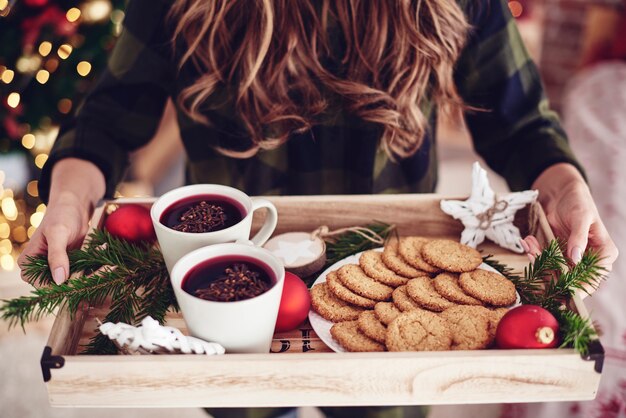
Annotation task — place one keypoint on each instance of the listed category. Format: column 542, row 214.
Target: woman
column 316, row 97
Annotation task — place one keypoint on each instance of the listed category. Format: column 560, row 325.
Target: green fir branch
column 550, row 281
column 587, row 274
column 576, row 332
column 352, row 242
column 133, row 277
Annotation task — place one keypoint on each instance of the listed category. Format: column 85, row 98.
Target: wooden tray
column 301, row 370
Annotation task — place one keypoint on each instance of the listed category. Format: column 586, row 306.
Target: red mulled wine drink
column 228, row 279
column 203, row 213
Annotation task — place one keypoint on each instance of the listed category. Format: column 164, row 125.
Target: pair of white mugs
column 245, row 326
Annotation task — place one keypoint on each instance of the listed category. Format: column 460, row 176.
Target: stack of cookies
column 418, row 294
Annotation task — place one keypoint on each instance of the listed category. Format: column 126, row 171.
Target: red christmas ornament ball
column 527, row 326
column 131, row 223
column 294, row 304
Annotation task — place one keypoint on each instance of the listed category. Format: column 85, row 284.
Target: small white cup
column 174, row 244
column 245, row 326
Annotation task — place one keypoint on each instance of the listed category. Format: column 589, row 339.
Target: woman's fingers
column 601, row 242
column 578, row 237
column 57, row 238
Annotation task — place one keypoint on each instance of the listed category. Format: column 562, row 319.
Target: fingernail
column 524, row 245
column 577, row 255
column 58, row 275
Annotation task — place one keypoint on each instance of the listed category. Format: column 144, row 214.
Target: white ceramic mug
column 245, row 326
column 174, row 244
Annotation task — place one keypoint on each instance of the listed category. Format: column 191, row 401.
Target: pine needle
column 550, row 282
column 351, row 243
column 132, row 276
column 576, row 331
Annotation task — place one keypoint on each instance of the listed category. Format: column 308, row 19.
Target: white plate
column 322, row 326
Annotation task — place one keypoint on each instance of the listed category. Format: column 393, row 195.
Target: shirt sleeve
column 512, row 128
column 123, row 111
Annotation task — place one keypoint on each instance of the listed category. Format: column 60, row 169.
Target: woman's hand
column 572, row 214
column 76, row 187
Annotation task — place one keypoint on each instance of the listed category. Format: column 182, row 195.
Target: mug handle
column 270, row 221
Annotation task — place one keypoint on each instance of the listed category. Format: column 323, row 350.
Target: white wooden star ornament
column 485, row 214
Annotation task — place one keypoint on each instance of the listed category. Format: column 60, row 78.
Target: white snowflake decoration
column 151, row 337
column 485, row 214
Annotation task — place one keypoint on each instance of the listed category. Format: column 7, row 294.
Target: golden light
column 40, row 160
column 7, row 193
column 41, row 207
column 65, row 106
column 4, row 8
column 5, row 230
column 64, row 51
column 7, row 76
column 19, row 234
column 73, row 14
column 31, row 188
column 83, row 68
column 45, row 138
column 96, row 10
column 9, row 208
column 117, row 16
column 13, row 100
column 45, row 48
column 28, row 64
column 6, row 247
column 36, row 218
column 28, row 141
column 6, row 262
column 42, row 76
column 516, row 8
column 52, row 64
column 31, row 231
column 2, row 176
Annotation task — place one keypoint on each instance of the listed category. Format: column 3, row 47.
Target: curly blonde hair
column 397, row 53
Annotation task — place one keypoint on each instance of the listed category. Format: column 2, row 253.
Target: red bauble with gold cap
column 527, row 326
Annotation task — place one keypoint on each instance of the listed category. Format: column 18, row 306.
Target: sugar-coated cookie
column 447, row 285
column 340, row 291
column 396, row 263
column 418, row 331
column 469, row 326
column 410, row 249
column 489, row 287
column 325, row 303
column 386, row 312
column 451, row 255
column 372, row 264
column 348, row 335
column 422, row 291
column 354, row 278
column 402, row 300
column 370, row 325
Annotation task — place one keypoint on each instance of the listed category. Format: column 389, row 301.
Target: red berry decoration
column 294, row 304
column 131, row 223
column 527, row 326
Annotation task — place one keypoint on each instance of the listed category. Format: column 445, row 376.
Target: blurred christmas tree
column 51, row 53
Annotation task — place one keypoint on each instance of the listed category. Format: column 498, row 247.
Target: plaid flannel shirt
column 517, row 134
